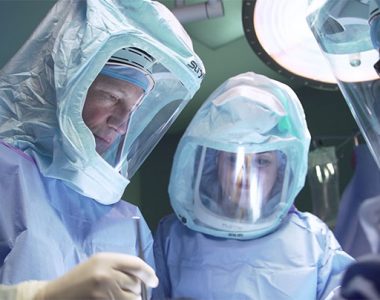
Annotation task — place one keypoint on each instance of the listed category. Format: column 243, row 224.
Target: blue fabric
column 300, row 261
column 364, row 184
column 47, row 228
column 132, row 75
column 362, row 280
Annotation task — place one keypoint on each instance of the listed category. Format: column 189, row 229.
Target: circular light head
column 278, row 33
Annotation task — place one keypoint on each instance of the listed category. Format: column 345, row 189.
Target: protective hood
column 44, row 86
column 249, row 113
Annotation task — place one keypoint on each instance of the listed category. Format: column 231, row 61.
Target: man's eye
column 111, row 99
column 114, row 98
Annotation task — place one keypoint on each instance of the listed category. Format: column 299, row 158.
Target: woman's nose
column 244, row 174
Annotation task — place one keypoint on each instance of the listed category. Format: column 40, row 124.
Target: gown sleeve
column 161, row 240
column 332, row 266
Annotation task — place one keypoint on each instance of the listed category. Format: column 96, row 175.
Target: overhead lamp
column 348, row 33
column 278, row 33
column 187, row 13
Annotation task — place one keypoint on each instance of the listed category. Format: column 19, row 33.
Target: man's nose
column 119, row 119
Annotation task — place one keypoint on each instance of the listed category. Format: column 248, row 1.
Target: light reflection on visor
column 243, row 187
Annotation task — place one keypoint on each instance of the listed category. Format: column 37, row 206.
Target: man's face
column 108, row 107
column 247, row 179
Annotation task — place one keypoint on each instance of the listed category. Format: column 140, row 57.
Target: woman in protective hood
column 236, row 233
column 82, row 104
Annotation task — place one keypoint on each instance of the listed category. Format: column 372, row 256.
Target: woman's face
column 108, row 107
column 247, row 179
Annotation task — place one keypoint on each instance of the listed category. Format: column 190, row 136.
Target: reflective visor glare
column 242, row 186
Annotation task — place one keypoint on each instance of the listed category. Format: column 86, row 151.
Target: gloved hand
column 103, row 276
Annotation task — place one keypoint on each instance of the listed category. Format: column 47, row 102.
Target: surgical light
column 278, row 33
column 348, row 33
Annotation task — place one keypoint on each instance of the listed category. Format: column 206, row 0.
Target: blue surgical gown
column 47, row 228
column 300, row 261
column 364, row 184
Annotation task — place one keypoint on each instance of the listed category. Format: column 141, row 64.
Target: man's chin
column 101, row 149
column 101, row 145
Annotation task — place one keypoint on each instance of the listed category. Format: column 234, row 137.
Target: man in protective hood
column 236, row 233
column 82, row 104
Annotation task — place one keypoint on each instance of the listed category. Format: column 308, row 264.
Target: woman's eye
column 262, row 162
column 232, row 160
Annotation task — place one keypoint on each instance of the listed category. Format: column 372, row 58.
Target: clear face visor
column 347, row 38
column 129, row 109
column 241, row 187
column 374, row 23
